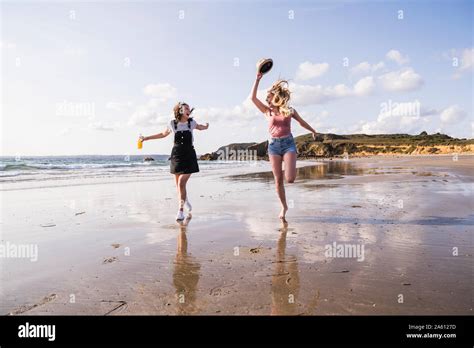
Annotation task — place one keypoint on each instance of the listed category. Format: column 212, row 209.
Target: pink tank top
column 279, row 126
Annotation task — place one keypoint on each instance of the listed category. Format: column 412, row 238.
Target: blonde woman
column 183, row 156
column 281, row 145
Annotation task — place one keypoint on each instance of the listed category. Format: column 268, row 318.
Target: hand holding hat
column 264, row 66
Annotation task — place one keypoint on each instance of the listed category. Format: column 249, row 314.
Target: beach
column 112, row 247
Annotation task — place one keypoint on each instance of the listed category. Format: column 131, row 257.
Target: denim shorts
column 280, row 146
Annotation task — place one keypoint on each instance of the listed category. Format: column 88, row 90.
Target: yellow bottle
column 140, row 142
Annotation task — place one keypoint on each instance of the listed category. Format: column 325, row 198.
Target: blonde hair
column 281, row 97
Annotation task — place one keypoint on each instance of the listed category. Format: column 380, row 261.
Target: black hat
column 264, row 65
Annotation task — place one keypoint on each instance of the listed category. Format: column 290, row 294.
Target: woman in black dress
column 183, row 156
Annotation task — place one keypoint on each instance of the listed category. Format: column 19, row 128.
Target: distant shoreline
column 328, row 145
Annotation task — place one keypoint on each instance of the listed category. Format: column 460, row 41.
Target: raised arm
column 202, row 126
column 163, row 134
column 258, row 103
column 303, row 123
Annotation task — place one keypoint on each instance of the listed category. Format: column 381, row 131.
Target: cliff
column 333, row 145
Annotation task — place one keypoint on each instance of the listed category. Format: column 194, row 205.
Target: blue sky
column 87, row 78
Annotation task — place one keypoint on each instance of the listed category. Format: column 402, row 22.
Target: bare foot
column 282, row 215
column 284, row 227
column 188, row 218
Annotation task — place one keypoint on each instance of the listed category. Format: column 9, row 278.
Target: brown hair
column 178, row 110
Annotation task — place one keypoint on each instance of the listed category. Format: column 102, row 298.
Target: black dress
column 183, row 156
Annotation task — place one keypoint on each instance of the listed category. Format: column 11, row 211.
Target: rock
column 328, row 145
column 148, row 159
column 109, row 260
column 235, row 147
column 261, row 149
column 209, row 157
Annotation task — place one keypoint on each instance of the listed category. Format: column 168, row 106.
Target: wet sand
column 115, row 249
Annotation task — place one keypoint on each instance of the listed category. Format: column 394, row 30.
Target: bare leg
column 176, row 179
column 280, row 188
column 183, row 179
column 290, row 166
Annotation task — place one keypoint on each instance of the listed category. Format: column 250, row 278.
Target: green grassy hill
column 334, row 145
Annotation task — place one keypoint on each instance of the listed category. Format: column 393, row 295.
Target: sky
column 83, row 78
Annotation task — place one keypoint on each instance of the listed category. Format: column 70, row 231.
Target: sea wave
column 9, row 167
column 50, row 171
column 76, row 166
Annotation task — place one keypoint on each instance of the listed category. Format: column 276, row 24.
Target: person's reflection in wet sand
column 185, row 274
column 285, row 279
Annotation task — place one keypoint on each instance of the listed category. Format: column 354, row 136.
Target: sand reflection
column 285, row 279
column 186, row 274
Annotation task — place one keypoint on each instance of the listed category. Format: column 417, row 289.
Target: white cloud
column 303, row 95
column 467, row 60
column 317, row 120
column 404, row 117
column 237, row 114
column 118, row 105
column 74, row 51
column 7, row 45
column 324, row 114
column 378, row 66
column 240, row 114
column 465, row 63
column 364, row 86
column 160, row 91
column 389, row 122
column 452, row 115
column 149, row 115
column 308, row 70
column 100, row 126
column 428, row 111
column 366, row 67
column 155, row 111
column 307, row 95
column 397, row 57
column 65, row 131
column 361, row 68
column 402, row 80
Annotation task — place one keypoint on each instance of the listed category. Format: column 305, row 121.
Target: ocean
column 46, row 171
